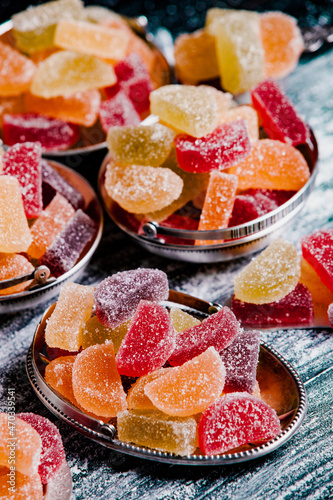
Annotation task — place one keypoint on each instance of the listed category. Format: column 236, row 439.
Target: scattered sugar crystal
column 53, row 182
column 317, row 250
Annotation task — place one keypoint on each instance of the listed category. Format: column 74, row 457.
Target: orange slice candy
column 16, row 71
column 25, row 487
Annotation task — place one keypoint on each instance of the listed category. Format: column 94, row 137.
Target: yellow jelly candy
column 12, row 266
column 16, row 71
column 136, row 397
column 270, row 276
column 247, row 113
column 182, row 320
column 96, row 333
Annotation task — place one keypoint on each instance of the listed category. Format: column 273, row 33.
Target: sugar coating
column 16, row 71
column 53, row 453
column 10, row 105
column 182, row 320
column 96, row 333
column 96, row 382
column 73, row 309
column 118, row 111
column 26, row 487
column 149, row 341
column 322, row 296
column 188, row 389
column 58, row 375
column 271, row 275
column 251, row 206
column 12, row 266
column 218, row 330
column 53, row 182
column 245, row 112
column 189, row 109
column 136, row 397
column 141, row 189
column 158, row 431
column 330, row 314
column 117, row 297
column 234, row 420
column 317, row 250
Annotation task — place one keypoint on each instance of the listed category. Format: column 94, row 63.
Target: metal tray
column 280, row 386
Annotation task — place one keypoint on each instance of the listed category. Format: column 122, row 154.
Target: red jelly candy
column 53, row 453
column 53, row 134
column 228, row 144
column 278, row 196
column 218, row 330
column 279, row 116
column 53, row 183
column 234, row 420
column 176, row 221
column 23, row 161
column 118, row 111
column 317, row 249
column 248, row 207
column 148, row 342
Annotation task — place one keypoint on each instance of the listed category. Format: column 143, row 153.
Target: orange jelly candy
column 10, row 105
column 12, row 266
column 58, row 375
column 26, row 487
column 16, row 71
column 322, row 296
column 136, row 397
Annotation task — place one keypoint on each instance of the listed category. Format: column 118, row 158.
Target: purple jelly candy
column 117, row 297
column 53, row 183
column 118, row 111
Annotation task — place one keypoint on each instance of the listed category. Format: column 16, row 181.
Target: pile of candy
column 42, row 218
column 72, row 73
column 240, row 48
column 204, row 166
column 31, row 454
column 173, row 382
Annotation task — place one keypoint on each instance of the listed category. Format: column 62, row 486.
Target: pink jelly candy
column 317, row 250
column 251, row 206
column 218, row 330
column 279, row 116
column 23, row 161
column 53, row 453
column 295, row 308
column 52, row 133
column 118, row 111
column 148, row 342
column 117, row 297
column 53, row 183
column 228, row 144
column 240, row 359
column 234, row 420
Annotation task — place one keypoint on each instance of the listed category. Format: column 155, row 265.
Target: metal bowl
column 30, row 298
column 280, row 386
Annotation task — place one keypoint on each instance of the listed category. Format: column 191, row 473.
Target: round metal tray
column 30, row 298
column 280, row 386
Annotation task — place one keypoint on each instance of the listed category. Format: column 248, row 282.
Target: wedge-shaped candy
column 118, row 111
column 73, row 309
column 25, row 486
column 189, row 109
column 96, row 333
column 10, row 105
column 149, row 341
column 15, row 234
column 322, row 296
column 182, row 320
column 136, row 397
column 67, row 72
column 245, row 112
column 330, row 314
column 16, row 71
column 117, row 297
column 234, row 420
column 270, row 276
column 12, row 266
column 250, row 206
column 279, row 116
column 158, row 431
column 190, row 388
column 58, row 375
column 96, row 382
column 218, row 330
column 317, row 250
column 53, row 182
column 272, row 165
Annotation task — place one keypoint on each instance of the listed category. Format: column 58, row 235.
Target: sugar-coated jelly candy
column 73, row 309
column 218, row 330
column 16, row 71
column 53, row 453
column 66, row 248
column 58, row 375
column 321, row 295
column 182, row 320
column 26, row 487
column 279, row 116
column 188, row 389
column 244, row 112
column 53, row 182
column 158, row 431
column 186, row 108
column 271, row 275
column 12, row 266
column 51, row 133
column 296, row 307
column 317, row 250
column 234, row 420
column 96, row 333
column 148, row 342
column 136, row 397
column 330, row 314
column 272, row 165
column 15, row 234
column 10, row 105
column 176, row 221
column 118, row 111
column 23, row 161
column 66, row 72
column 250, row 206
column 96, row 382
column 117, row 297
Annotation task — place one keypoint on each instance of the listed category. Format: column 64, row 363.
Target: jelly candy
column 23, row 161
column 58, row 375
column 53, row 453
column 15, row 234
column 182, row 320
column 189, row 109
column 65, row 325
column 100, row 15
column 330, row 314
column 16, row 71
column 245, row 112
column 234, row 420
column 157, row 430
column 218, row 330
column 117, row 297
column 136, row 398
column 51, row 133
column 66, row 248
column 272, row 165
column 148, row 145
column 149, row 341
column 26, row 487
column 317, row 250
column 12, row 266
column 53, row 182
column 189, row 389
column 96, row 333
column 66, row 72
column 48, row 225
column 10, row 105
column 118, row 111
column 176, row 221
column 250, row 206
column 279, row 116
column 321, row 295
column 96, row 382
column 271, row 275
column 226, row 145
column 296, row 307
